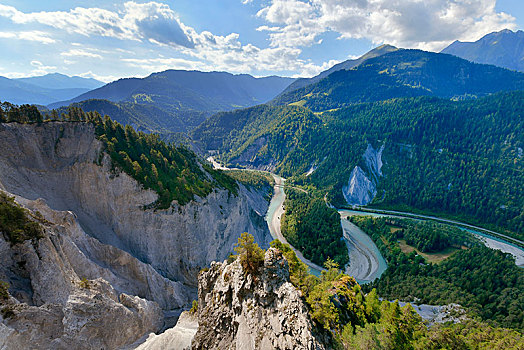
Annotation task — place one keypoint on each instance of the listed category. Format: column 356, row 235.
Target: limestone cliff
column 57, row 302
column 137, row 261
column 362, row 183
column 244, row 311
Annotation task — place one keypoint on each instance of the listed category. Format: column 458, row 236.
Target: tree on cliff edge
column 251, row 255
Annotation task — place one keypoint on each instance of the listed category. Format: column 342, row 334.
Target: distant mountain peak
column 385, row 46
column 348, row 64
column 57, row 80
column 55, row 74
column 504, row 48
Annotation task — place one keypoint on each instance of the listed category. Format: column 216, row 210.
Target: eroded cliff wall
column 101, row 233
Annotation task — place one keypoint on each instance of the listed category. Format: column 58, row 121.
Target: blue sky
column 110, row 40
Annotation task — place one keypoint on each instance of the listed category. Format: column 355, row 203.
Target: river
column 366, row 262
column 274, row 214
column 273, row 217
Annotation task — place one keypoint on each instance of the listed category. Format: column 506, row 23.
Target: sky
column 107, row 40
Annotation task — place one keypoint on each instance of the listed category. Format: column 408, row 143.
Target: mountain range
column 177, row 100
column 46, row 89
column 503, row 49
column 403, row 73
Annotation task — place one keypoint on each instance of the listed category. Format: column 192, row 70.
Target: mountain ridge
column 348, row 64
column 124, row 89
column 404, row 73
column 22, row 92
column 503, row 49
column 62, row 81
column 175, row 101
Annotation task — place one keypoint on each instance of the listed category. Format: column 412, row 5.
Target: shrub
column 4, row 291
column 194, row 308
column 15, row 222
column 84, row 283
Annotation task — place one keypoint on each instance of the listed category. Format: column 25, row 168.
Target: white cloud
column 80, row 53
column 103, row 78
column 148, row 21
column 33, row 35
column 38, row 69
column 428, row 24
column 158, row 24
column 161, row 64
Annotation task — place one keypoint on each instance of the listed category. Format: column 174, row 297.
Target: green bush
column 194, row 308
column 4, row 291
column 15, row 223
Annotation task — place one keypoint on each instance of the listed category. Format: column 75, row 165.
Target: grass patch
column 434, row 258
column 394, row 229
column 300, row 103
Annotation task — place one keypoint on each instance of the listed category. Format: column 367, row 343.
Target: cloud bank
column 151, row 37
column 424, row 24
column 150, row 21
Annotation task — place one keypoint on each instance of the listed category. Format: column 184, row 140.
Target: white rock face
column 137, row 261
column 360, row 189
column 362, row 185
column 57, row 304
column 373, row 160
column 178, row 337
column 237, row 311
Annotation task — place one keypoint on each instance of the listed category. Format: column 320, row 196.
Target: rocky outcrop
column 373, row 161
column 178, row 337
column 62, row 298
column 244, row 311
column 362, row 184
column 360, row 190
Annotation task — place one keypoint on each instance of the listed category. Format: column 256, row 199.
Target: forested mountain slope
column 404, row 73
column 143, row 117
column 456, row 158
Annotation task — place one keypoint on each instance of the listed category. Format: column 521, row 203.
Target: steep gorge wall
column 57, row 162
column 100, row 232
column 68, row 290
